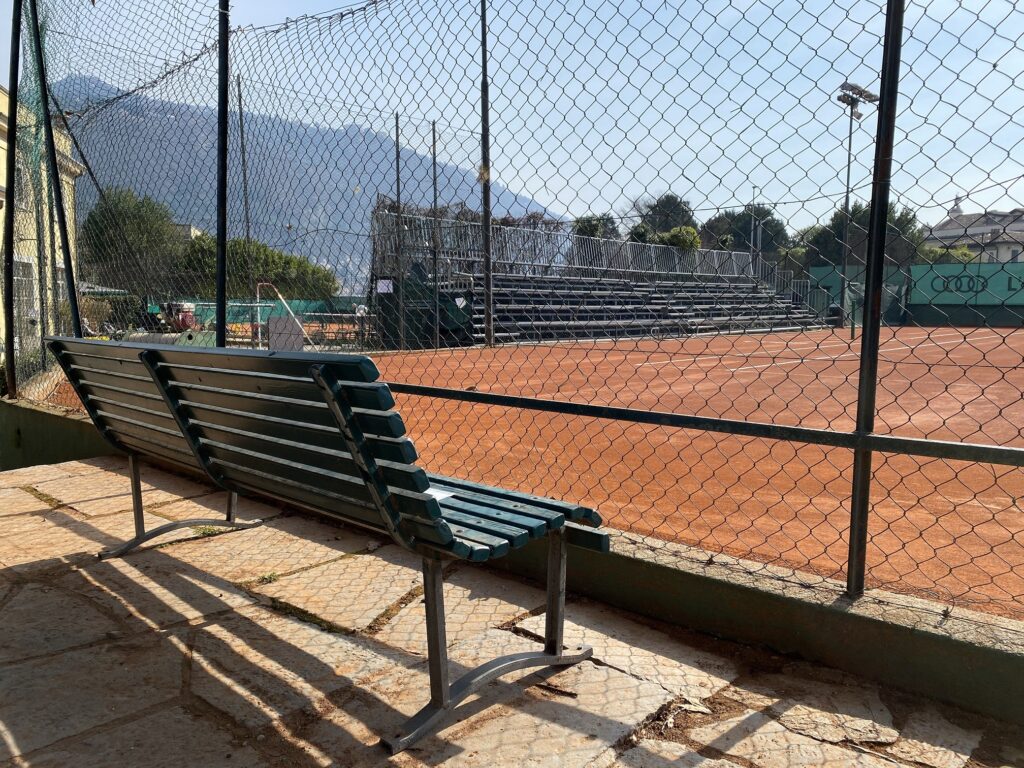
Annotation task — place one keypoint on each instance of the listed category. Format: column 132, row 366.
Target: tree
column 131, row 243
column 642, row 233
column 904, row 238
column 665, row 213
column 596, row 225
column 685, row 238
column 249, row 261
column 732, row 229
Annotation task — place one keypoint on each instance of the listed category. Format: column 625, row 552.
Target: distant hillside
column 311, row 188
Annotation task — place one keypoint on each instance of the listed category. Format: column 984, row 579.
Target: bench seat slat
column 496, row 546
column 107, row 365
column 399, row 474
column 552, row 518
column 535, row 527
column 571, row 511
column 516, row 537
column 325, row 502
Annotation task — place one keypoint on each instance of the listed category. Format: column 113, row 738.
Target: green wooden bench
column 319, row 432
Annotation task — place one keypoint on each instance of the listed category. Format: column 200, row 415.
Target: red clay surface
column 950, row 530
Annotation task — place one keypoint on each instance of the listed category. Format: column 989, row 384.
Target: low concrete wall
column 972, row 660
column 33, row 434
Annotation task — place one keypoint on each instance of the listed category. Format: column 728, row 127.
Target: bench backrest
column 261, row 422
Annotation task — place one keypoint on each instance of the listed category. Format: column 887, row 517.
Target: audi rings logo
column 959, row 284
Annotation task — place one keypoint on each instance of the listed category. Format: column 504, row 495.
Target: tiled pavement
column 298, row 642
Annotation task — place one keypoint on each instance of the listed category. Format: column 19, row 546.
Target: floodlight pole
column 847, row 215
column 223, row 64
column 10, row 372
column 398, row 234
column 867, row 386
column 435, row 239
column 55, row 181
column 485, row 180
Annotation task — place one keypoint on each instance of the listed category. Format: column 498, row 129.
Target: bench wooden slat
column 108, row 365
column 534, row 526
column 497, row 546
column 386, row 423
column 127, row 396
column 382, row 447
column 552, row 518
column 325, row 502
column 151, row 416
column 352, row 367
column 286, row 392
column 517, row 537
column 402, row 475
column 571, row 511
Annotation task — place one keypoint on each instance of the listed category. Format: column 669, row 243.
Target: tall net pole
column 55, row 180
column 223, row 63
column 12, row 165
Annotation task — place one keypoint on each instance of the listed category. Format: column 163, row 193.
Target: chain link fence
column 616, row 253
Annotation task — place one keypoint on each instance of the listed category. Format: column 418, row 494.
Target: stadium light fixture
column 851, row 95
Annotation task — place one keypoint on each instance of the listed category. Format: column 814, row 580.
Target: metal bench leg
column 142, row 535
column 444, row 698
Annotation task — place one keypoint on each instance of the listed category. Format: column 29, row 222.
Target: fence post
column 223, row 64
column 877, row 224
column 55, row 183
column 10, row 372
column 485, row 180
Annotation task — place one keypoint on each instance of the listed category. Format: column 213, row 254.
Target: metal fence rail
column 745, row 277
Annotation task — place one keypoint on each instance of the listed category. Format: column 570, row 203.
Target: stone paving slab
column 353, row 591
column 649, row 753
column 215, row 506
column 642, row 651
column 474, row 599
column 837, row 710
column 167, row 738
column 930, row 739
column 281, row 546
column 45, row 700
column 39, row 619
column 16, row 478
column 103, row 493
column 15, row 501
column 570, row 721
column 32, row 543
column 766, row 743
column 152, row 589
column 258, row 666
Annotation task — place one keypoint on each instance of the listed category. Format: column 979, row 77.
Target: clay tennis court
column 946, row 529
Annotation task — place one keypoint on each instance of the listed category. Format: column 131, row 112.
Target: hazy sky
column 717, row 100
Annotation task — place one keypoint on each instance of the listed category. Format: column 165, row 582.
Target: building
column 993, row 236
column 39, row 291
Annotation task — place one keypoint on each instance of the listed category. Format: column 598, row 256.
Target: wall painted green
column 33, row 434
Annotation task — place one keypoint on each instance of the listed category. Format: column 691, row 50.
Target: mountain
column 311, row 187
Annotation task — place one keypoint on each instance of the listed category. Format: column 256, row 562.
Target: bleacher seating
column 537, row 308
